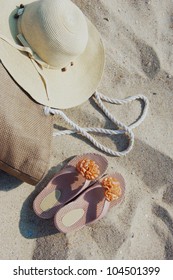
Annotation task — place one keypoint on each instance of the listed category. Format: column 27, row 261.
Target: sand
column 138, row 41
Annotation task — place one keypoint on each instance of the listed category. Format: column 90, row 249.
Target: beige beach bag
column 25, row 148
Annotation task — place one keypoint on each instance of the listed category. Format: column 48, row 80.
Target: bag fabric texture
column 25, row 133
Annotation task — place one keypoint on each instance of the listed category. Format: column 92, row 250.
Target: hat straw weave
column 52, row 51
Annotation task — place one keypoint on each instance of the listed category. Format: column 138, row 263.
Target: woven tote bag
column 25, row 133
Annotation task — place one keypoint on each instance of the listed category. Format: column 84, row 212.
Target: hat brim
column 66, row 89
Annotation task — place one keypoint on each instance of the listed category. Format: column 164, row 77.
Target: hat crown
column 56, row 30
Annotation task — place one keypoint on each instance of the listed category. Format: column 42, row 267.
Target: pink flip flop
column 92, row 204
column 81, row 172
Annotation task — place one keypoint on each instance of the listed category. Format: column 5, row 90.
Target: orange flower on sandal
column 88, row 168
column 112, row 188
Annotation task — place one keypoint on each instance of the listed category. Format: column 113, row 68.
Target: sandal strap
column 104, row 211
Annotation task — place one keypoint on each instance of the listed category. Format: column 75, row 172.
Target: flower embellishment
column 88, row 168
column 112, row 187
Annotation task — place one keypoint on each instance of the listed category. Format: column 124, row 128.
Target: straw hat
column 51, row 50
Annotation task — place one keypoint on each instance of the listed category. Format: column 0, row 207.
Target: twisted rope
column 100, row 96
column 123, row 129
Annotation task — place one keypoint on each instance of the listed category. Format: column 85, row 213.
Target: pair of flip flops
column 80, row 193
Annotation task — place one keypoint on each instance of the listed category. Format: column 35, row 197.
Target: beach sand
column 138, row 39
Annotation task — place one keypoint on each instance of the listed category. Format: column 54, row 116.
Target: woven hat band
column 55, row 30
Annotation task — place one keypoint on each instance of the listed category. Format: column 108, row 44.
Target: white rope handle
column 100, row 96
column 123, row 128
